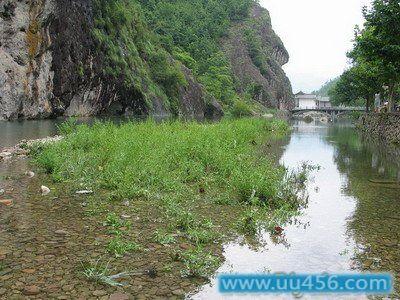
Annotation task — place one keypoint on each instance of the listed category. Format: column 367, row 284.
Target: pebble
column 44, row 190
column 2, row 191
column 6, row 202
column 30, row 174
column 29, row 271
column 119, row 296
column 84, row 192
column 98, row 293
column 31, row 290
column 5, row 154
column 61, row 232
column 178, row 292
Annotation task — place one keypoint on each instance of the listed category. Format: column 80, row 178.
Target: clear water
column 350, row 225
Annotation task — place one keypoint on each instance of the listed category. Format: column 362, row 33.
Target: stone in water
column 45, row 190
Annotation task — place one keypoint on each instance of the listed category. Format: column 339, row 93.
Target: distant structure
column 311, row 101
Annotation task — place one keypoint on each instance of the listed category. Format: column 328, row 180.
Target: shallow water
column 12, row 133
column 350, row 224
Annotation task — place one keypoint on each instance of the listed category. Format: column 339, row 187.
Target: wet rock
column 178, row 292
column 30, row 174
column 268, row 116
column 2, row 292
column 31, row 290
column 119, row 296
column 99, row 293
column 5, row 154
column 6, row 202
column 29, row 271
column 125, row 216
column 2, row 191
column 44, row 190
column 61, row 232
column 185, row 246
column 368, row 263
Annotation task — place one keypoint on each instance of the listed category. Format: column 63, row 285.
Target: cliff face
column 50, row 66
column 257, row 55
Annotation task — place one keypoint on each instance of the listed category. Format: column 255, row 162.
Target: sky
column 317, row 34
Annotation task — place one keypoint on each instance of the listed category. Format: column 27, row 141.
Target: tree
column 358, row 83
column 379, row 43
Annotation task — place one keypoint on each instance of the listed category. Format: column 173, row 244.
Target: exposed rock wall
column 269, row 84
column 383, row 126
column 26, row 77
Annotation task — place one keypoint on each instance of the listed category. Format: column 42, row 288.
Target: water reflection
column 353, row 224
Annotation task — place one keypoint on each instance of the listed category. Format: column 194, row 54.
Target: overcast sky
column 317, row 34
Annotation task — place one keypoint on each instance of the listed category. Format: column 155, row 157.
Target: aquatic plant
column 116, row 224
column 118, row 247
column 99, row 273
column 164, row 238
column 198, row 262
column 248, row 221
column 2, row 266
column 147, row 160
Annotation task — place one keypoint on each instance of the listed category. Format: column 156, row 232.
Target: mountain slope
column 129, row 57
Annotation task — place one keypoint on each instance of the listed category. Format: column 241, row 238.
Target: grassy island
column 191, row 184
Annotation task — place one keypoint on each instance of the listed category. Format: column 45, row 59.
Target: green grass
column 100, row 273
column 116, row 224
column 119, row 247
column 198, row 262
column 146, row 160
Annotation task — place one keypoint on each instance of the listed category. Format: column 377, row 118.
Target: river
column 350, row 224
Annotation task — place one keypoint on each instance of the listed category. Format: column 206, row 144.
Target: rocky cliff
column 57, row 59
column 257, row 55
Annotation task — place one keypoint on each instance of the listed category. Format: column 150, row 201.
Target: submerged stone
column 44, row 190
column 31, row 290
column 6, row 202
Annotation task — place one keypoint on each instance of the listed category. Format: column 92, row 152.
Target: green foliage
column 254, row 46
column 100, row 273
column 164, row 238
column 116, row 224
column 132, row 54
column 248, row 221
column 148, row 159
column 118, row 247
column 191, row 31
column 359, row 83
column 241, row 109
column 198, row 263
column 326, row 89
column 376, row 53
column 67, row 127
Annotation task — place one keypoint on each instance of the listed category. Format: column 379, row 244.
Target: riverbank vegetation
column 375, row 58
column 187, row 180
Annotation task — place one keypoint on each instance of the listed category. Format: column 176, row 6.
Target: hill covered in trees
column 138, row 57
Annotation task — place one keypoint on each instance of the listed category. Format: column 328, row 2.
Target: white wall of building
column 307, row 103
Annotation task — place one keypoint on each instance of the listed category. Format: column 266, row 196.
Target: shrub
column 241, row 109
